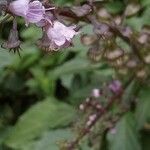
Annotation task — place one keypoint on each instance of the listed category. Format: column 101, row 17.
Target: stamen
column 45, row 9
column 50, row 8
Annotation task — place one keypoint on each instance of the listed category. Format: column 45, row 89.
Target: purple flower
column 32, row 11
column 60, row 34
column 115, row 86
column 47, row 20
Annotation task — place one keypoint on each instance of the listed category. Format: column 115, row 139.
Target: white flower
column 61, row 34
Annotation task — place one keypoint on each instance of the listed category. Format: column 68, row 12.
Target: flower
column 47, row 20
column 60, row 34
column 32, row 11
column 115, row 86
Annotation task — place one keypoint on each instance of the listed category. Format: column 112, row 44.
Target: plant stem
column 5, row 18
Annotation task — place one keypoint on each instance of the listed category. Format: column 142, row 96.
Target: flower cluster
column 56, row 35
column 96, row 110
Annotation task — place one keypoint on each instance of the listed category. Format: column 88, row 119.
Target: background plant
column 41, row 92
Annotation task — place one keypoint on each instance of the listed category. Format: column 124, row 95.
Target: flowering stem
column 86, row 130
column 72, row 145
column 135, row 46
column 115, row 29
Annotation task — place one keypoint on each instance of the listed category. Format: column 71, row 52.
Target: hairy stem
column 5, row 18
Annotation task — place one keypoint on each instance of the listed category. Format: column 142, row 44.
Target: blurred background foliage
column 40, row 93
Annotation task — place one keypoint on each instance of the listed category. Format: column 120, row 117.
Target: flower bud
column 115, row 54
column 45, row 44
column 143, row 38
column 95, row 53
column 88, row 100
column 147, row 58
column 103, row 30
column 96, row 93
column 81, row 11
column 122, row 71
column 132, row 63
column 92, row 117
column 132, row 9
column 98, row 107
column 117, row 20
column 3, row 5
column 115, row 87
column 103, row 14
column 117, row 63
column 13, row 42
column 126, row 31
column 142, row 73
column 88, row 40
column 82, row 107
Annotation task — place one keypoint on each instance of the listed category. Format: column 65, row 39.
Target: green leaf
column 145, row 2
column 126, row 137
column 14, row 83
column 31, row 33
column 76, row 65
column 3, row 134
column 44, row 115
column 129, row 92
column 42, row 83
column 50, row 140
column 135, row 22
column 138, row 22
column 114, row 6
column 146, row 16
column 143, row 107
column 6, row 58
column 67, row 80
column 25, row 62
column 103, row 74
